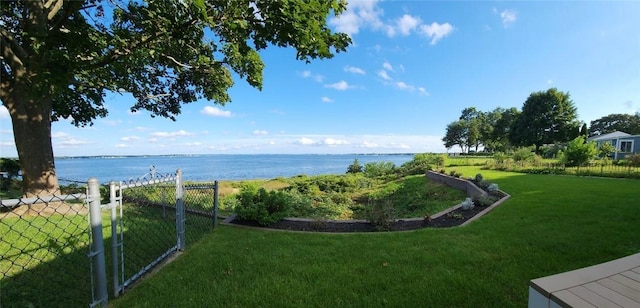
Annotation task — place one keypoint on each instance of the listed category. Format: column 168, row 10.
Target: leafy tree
column 355, row 167
column 605, row 150
column 60, row 58
column 502, row 128
column 627, row 123
column 584, row 131
column 578, row 152
column 456, row 134
column 547, row 117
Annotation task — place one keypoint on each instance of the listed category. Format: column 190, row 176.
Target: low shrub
column 380, row 213
column 484, row 200
column 633, row 160
column 379, row 169
column 265, row 207
column 467, row 204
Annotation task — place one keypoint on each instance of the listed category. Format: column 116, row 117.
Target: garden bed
column 451, row 217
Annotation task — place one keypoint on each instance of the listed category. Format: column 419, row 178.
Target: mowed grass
column 551, row 224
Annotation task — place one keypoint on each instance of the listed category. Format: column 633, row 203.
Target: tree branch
column 53, row 6
column 10, row 57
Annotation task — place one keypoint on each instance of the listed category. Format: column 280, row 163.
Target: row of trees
column 547, row 117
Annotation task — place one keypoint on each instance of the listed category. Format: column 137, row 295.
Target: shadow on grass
column 62, row 276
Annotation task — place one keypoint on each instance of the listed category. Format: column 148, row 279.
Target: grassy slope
column 551, row 224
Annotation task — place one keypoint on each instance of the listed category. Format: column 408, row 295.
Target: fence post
column 97, row 244
column 113, row 202
column 179, row 210
column 215, row 203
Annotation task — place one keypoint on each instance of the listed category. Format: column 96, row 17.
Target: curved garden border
column 402, row 224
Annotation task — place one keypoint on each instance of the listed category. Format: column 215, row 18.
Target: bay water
column 214, row 167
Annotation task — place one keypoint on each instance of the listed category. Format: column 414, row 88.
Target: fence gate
column 148, row 229
column 146, row 219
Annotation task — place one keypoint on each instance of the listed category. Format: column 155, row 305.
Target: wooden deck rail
column 612, row 284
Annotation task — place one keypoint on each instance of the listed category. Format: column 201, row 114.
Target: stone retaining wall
column 460, row 184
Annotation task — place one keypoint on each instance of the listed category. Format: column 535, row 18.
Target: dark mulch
column 451, row 219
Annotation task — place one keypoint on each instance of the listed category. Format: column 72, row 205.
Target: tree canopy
column 547, row 117
column 60, row 58
column 628, row 123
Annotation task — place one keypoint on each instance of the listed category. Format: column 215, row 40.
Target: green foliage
column 163, row 53
column 421, row 163
column 484, row 200
column 355, row 167
column 605, row 150
column 634, row 159
column 547, row 117
column 524, row 154
column 380, row 213
column 12, row 169
column 379, row 169
column 551, row 151
column 627, row 123
column 578, row 152
column 265, row 207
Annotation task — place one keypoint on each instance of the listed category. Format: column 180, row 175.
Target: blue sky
column 413, row 67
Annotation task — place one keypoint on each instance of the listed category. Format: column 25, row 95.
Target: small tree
column 355, row 167
column 605, row 150
column 578, row 152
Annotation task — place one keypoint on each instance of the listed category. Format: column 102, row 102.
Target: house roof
column 614, row 135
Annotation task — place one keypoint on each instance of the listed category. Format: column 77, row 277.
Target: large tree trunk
column 32, row 133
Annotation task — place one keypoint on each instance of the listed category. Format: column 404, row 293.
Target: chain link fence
column 43, row 249
column 49, row 259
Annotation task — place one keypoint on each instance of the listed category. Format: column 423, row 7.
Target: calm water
column 214, row 167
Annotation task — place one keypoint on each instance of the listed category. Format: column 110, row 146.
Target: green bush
column 484, row 200
column 633, row 160
column 265, row 207
column 421, row 163
column 379, row 169
column 355, row 167
column 380, row 213
column 523, row 155
column 578, row 152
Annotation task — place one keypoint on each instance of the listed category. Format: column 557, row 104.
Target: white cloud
column 508, row 17
column 4, row 112
column 353, row 69
column 73, row 142
column 61, row 135
column 387, row 66
column 130, row 138
column 260, row 132
column 340, row 85
column 383, row 75
column 326, row 99
column 309, row 74
column 407, row 23
column 358, row 14
column 423, row 91
column 193, row 144
column 180, row 133
column 214, row 111
column 436, row 31
column 334, row 142
column 121, row 145
column 368, row 145
column 403, row 86
column 305, row 141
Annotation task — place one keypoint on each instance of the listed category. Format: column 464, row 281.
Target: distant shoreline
column 199, row 155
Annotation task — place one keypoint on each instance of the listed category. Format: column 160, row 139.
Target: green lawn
column 551, row 224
